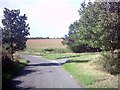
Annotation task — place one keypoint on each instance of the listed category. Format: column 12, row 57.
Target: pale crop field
column 45, row 43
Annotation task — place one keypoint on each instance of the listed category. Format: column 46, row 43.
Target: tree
column 15, row 31
column 98, row 27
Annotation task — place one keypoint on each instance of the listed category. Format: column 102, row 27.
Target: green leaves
column 15, row 30
column 97, row 27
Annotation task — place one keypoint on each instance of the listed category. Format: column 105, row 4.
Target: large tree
column 99, row 26
column 75, row 41
column 15, row 30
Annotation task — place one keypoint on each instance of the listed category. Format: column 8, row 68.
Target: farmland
column 45, row 43
column 82, row 66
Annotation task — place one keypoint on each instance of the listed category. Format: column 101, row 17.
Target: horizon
column 46, row 18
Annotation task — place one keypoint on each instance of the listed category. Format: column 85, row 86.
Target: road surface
column 41, row 73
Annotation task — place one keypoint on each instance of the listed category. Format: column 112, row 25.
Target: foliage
column 38, row 38
column 88, row 74
column 14, row 31
column 7, row 64
column 11, row 72
column 111, row 62
column 55, row 50
column 98, row 27
column 73, row 40
column 14, row 34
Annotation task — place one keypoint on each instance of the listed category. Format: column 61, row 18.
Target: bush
column 83, row 48
column 55, row 50
column 7, row 64
column 111, row 62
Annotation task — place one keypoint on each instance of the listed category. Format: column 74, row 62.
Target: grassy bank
column 10, row 74
column 89, row 77
column 83, row 67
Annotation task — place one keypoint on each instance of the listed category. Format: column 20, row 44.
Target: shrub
column 7, row 64
column 83, row 48
column 55, row 50
column 111, row 62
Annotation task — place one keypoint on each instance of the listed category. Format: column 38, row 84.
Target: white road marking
column 54, row 61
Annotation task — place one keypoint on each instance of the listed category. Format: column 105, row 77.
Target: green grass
column 82, row 66
column 10, row 74
column 86, row 71
column 72, row 56
column 44, row 51
column 60, row 55
column 80, row 74
column 89, row 75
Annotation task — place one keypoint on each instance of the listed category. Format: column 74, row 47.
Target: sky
column 46, row 18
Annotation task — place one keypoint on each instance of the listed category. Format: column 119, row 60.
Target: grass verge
column 82, row 66
column 54, row 56
column 73, row 56
column 87, row 72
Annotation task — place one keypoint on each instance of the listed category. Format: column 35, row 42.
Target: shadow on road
column 13, row 83
column 14, row 87
column 29, row 69
column 59, row 64
column 25, row 72
column 44, row 64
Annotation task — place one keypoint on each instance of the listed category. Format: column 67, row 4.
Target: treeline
column 97, row 30
column 42, row 38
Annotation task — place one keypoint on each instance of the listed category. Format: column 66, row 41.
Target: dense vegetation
column 96, row 30
column 14, row 32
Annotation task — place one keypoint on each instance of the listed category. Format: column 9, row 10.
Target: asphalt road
column 41, row 73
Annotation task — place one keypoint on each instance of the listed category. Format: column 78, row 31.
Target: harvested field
column 45, row 43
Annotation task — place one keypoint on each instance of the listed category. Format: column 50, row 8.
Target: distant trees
column 98, row 28
column 14, row 31
column 42, row 38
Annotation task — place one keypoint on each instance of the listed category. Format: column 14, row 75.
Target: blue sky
column 47, row 18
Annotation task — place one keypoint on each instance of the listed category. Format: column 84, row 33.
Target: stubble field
column 45, row 43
